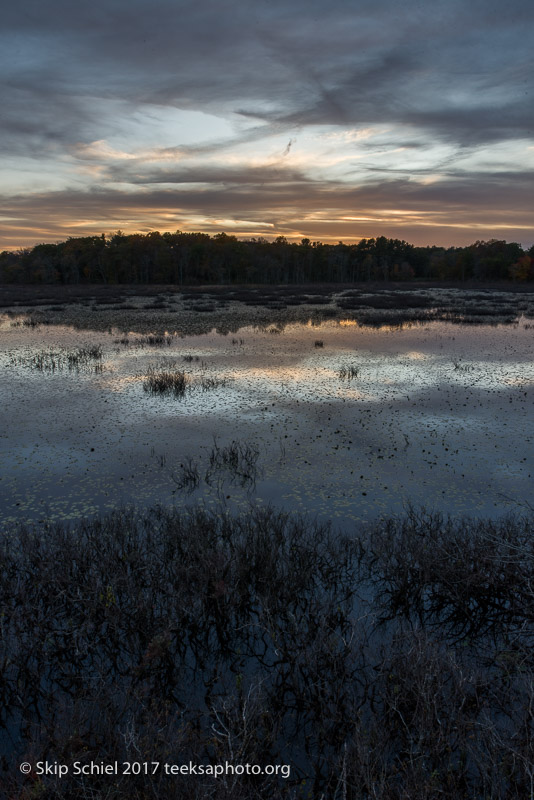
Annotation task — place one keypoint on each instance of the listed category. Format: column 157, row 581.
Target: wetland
column 281, row 527
column 353, row 412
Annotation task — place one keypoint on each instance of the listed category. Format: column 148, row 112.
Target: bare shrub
column 391, row 664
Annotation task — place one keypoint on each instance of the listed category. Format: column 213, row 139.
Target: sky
column 336, row 120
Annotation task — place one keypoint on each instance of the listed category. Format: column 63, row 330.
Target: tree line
column 198, row 258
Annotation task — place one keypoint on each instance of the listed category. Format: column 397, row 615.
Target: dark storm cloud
column 461, row 70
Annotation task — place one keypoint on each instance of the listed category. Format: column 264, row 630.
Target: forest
column 198, row 258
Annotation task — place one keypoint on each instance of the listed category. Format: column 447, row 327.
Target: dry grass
column 394, row 663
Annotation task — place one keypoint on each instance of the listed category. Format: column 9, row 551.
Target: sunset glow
column 294, row 119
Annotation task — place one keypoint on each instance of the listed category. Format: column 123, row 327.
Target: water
column 439, row 414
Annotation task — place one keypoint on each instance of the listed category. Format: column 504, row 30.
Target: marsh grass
column 393, row 663
column 458, row 366
column 154, row 340
column 166, row 382
column 236, row 462
column 208, row 383
column 239, row 459
column 348, row 372
column 27, row 322
column 89, row 356
column 187, row 476
column 163, row 378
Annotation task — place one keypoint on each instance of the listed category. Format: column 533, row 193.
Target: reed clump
column 348, row 372
column 166, row 382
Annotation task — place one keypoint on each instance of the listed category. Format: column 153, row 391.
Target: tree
column 523, row 269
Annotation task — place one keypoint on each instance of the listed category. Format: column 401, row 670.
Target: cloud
column 449, row 211
column 97, row 90
column 300, row 63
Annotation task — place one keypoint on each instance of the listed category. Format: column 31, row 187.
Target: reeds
column 398, row 659
column 458, row 366
column 166, row 382
column 164, row 379
column 348, row 372
column 155, row 340
column 236, row 462
column 89, row 356
column 208, row 383
column 239, row 458
column 27, row 322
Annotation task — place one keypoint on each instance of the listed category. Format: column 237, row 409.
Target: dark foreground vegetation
column 393, row 663
column 197, row 258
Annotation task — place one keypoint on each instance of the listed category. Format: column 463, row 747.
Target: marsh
column 427, row 411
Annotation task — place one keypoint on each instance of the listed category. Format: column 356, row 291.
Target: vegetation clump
column 155, row 340
column 348, row 372
column 166, row 382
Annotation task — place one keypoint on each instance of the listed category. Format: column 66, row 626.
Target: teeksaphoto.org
column 152, row 767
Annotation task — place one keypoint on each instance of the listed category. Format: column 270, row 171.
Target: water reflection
column 433, row 414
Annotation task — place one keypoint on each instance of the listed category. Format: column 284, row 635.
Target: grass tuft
column 166, row 382
column 348, row 372
column 155, row 340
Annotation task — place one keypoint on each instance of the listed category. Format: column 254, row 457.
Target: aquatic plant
column 166, row 382
column 56, row 360
column 26, row 322
column 458, row 366
column 348, row 372
column 187, row 476
column 155, row 340
column 208, row 383
column 239, row 458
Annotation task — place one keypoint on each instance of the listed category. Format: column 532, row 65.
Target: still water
column 436, row 414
